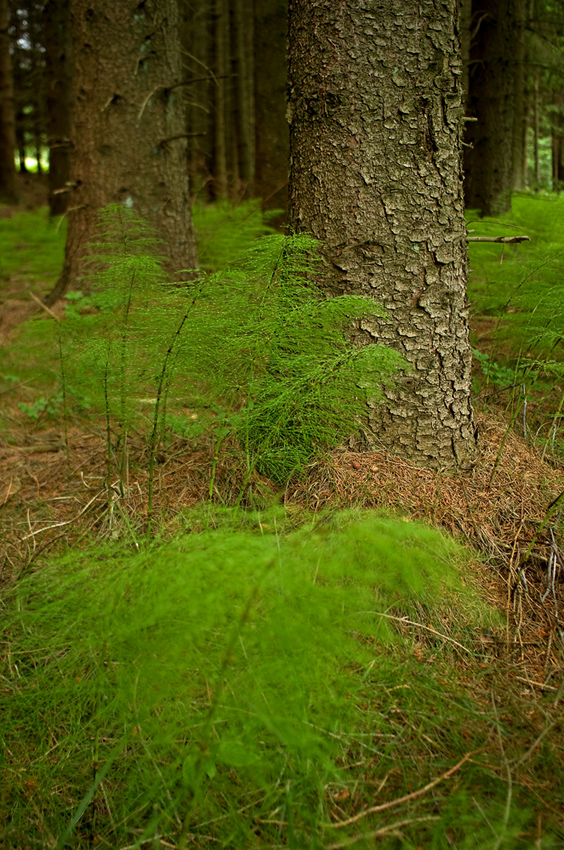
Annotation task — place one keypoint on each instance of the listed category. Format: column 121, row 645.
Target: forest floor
column 54, row 494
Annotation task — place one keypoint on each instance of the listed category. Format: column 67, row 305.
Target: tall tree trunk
column 272, row 150
column 536, row 130
column 198, row 71
column 375, row 112
column 58, row 58
column 8, row 191
column 520, row 58
column 221, row 66
column 525, row 144
column 128, row 126
column 20, row 143
column 243, row 19
column 465, row 28
column 489, row 156
column 558, row 143
column 37, row 81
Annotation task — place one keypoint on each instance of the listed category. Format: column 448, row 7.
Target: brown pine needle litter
column 501, row 517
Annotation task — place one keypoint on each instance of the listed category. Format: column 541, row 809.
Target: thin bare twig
column 67, row 522
column 406, row 798
column 44, row 306
column 385, row 830
column 504, row 239
column 419, row 626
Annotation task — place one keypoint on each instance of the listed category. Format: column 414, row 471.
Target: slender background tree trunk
column 58, row 62
column 271, row 129
column 494, row 91
column 128, row 126
column 8, row 192
column 221, row 66
column 375, row 114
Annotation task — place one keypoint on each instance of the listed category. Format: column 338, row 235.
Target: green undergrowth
column 516, row 293
column 247, row 686
column 252, row 353
column 224, row 231
column 32, row 247
column 32, row 251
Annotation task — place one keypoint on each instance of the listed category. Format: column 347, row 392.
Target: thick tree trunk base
column 375, row 116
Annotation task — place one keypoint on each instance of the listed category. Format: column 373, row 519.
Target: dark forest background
column 234, row 63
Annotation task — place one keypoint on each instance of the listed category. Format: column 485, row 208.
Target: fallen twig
column 419, row 626
column 406, row 798
column 504, row 239
column 384, row 830
column 67, row 522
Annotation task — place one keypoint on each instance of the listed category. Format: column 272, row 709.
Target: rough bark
column 128, row 126
column 58, row 84
column 375, row 114
column 271, row 129
column 489, row 155
column 8, row 191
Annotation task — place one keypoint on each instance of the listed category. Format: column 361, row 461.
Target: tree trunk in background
column 8, row 191
column 19, row 77
column 57, row 54
column 489, row 158
column 375, row 113
column 536, row 127
column 465, row 27
column 37, row 80
column 558, row 143
column 525, row 145
column 244, row 86
column 520, row 58
column 221, row 70
column 28, row 71
column 198, row 72
column 271, row 129
column 128, row 126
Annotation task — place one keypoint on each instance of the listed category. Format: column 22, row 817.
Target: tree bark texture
column 8, row 191
column 375, row 114
column 494, row 84
column 58, row 83
column 128, row 126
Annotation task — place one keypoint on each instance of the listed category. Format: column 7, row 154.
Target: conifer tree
column 128, row 130
column 494, row 140
column 7, row 117
column 375, row 115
